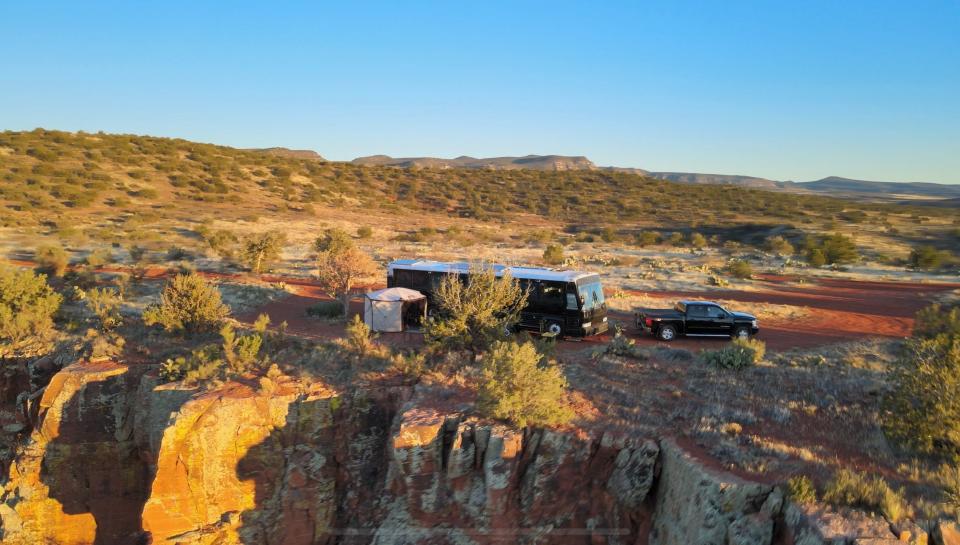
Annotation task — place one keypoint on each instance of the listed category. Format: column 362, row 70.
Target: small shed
column 394, row 309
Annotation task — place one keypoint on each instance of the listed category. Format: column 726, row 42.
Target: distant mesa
column 532, row 162
column 293, row 153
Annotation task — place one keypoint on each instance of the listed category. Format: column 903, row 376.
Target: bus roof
column 528, row 273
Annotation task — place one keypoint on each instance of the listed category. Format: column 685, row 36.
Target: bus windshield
column 592, row 295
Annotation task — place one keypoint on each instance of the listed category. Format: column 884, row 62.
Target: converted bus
column 561, row 303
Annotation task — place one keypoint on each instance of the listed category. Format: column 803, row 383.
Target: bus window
column 592, row 295
column 572, row 303
column 551, row 294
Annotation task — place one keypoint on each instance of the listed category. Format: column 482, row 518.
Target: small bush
column 738, row 354
column 188, row 304
column 697, row 240
column 515, row 387
column 852, row 489
column 364, row 232
column 780, row 246
column 99, row 258
column 104, row 304
column 259, row 251
column 800, row 489
column 472, row 315
column 739, row 268
column 835, row 249
column 236, row 355
column 358, row 336
column 326, row 309
column 27, row 306
column 936, row 320
column 553, row 254
column 333, row 240
column 647, row 238
column 52, row 260
column 927, row 257
column 923, row 408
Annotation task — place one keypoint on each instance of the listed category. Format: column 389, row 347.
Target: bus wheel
column 554, row 328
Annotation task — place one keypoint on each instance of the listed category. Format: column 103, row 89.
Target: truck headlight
column 754, row 323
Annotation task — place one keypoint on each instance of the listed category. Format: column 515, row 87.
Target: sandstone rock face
column 115, row 457
column 698, row 505
column 78, row 479
column 448, row 474
column 816, row 525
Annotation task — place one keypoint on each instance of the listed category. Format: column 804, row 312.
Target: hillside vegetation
column 124, row 183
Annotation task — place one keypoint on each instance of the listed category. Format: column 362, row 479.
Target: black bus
column 562, row 303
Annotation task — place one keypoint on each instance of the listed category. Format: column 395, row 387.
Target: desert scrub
column 27, row 306
column 359, row 337
column 52, row 260
column 923, row 409
column 236, row 355
column 553, row 254
column 623, row 346
column 514, row 386
column 851, row 489
column 472, row 316
column 800, row 489
column 936, row 320
column 188, row 304
column 739, row 268
column 326, row 309
column 738, row 354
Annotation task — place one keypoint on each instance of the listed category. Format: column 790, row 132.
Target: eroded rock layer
column 115, row 457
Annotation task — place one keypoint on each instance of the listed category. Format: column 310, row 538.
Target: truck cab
column 696, row 319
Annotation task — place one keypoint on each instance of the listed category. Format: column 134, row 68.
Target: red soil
column 838, row 310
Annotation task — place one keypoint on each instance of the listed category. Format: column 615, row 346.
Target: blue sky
column 782, row 90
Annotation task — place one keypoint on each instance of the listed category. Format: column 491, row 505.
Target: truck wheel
column 741, row 333
column 554, row 328
column 666, row 333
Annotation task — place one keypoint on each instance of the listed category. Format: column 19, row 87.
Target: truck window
column 715, row 312
column 696, row 311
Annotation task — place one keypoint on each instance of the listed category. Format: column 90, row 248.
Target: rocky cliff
column 115, row 458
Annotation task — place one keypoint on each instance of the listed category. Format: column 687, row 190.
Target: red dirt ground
column 839, row 310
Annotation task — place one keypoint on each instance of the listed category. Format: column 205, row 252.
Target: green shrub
column 936, row 320
column 816, row 258
column 647, row 238
column 326, row 309
column 358, row 336
column 676, row 239
column 99, row 258
column 780, row 246
column 222, row 242
column 104, row 304
column 923, row 408
column 553, row 254
column 835, row 249
column 333, row 240
column 697, row 240
column 188, row 304
column 800, row 489
column 52, row 260
column 739, row 268
column 928, row 258
column 27, row 306
column 259, row 251
column 852, row 489
column 471, row 315
column 234, row 356
column 514, row 386
column 738, row 354
column 364, row 232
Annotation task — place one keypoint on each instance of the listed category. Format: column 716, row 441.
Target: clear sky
column 784, row 90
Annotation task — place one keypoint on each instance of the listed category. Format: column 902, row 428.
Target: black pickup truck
column 696, row 319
